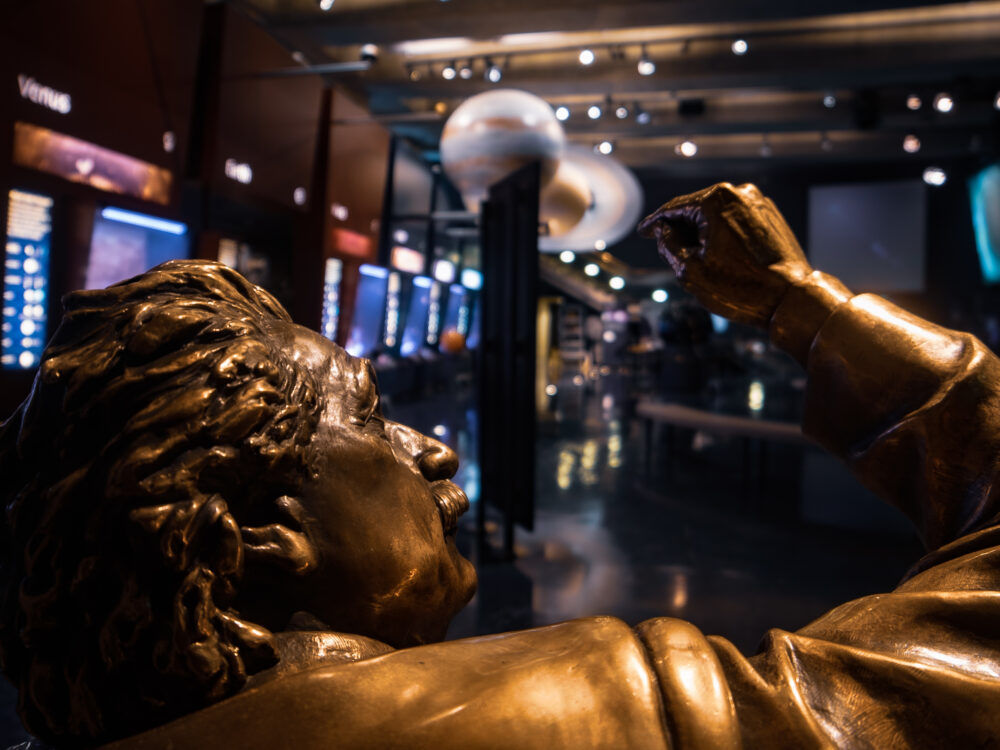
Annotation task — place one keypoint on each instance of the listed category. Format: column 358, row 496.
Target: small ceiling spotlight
column 592, row 269
column 440, row 107
column 996, row 101
column 616, row 283
column 594, row 111
column 660, row 295
column 914, row 102
column 562, row 113
column 621, row 112
column 567, row 256
column 339, row 211
column 686, row 149
column 448, row 72
column 646, row 67
column 911, row 144
column 325, row 4
column 740, row 47
column 586, row 56
column 605, row 147
column 465, row 72
column 299, row 196
column 765, row 147
column 642, row 116
column 493, row 73
column 943, row 103
column 825, row 143
column 935, row 176
column 414, row 73
column 600, row 245
column 169, row 141
column 829, row 100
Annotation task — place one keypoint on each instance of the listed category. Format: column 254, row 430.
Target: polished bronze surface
column 215, row 539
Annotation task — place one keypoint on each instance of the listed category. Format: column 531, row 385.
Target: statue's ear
column 284, row 545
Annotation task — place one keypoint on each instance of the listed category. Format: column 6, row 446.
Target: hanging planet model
column 495, row 133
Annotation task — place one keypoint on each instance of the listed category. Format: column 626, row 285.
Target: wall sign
column 25, row 279
column 239, row 171
column 44, row 96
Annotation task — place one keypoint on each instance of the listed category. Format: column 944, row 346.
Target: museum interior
column 451, row 189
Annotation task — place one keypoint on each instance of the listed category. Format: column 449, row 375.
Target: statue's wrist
column 802, row 311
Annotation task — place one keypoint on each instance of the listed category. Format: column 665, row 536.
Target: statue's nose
column 433, row 459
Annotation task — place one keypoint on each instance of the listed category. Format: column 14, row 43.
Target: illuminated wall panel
column 26, row 279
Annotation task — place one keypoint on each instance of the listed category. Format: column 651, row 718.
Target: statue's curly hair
column 161, row 410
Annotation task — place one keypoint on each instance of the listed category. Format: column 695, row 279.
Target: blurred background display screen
column 331, row 297
column 369, row 311
column 872, row 235
column 25, row 279
column 415, row 330
column 125, row 244
column 984, row 197
column 456, row 317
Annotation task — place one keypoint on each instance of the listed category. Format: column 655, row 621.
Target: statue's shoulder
column 583, row 683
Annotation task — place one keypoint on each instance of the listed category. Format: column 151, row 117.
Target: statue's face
column 388, row 568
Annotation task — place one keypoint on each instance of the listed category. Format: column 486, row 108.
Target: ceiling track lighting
column 642, row 116
column 645, row 66
column 944, row 102
column 493, row 72
column 448, row 72
column 586, row 56
column 686, row 148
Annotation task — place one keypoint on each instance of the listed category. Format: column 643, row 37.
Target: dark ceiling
column 820, row 81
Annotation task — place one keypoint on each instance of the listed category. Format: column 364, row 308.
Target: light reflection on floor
column 610, row 539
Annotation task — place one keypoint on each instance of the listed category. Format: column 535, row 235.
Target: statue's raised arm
column 914, row 409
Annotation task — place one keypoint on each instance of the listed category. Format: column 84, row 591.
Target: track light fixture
column 646, row 67
column 493, row 72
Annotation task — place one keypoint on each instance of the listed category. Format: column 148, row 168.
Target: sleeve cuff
column 803, row 310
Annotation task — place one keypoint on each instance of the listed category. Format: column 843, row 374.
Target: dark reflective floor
column 732, row 553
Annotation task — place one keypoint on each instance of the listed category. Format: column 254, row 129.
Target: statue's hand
column 731, row 247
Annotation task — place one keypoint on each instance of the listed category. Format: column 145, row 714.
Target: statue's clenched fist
column 731, row 247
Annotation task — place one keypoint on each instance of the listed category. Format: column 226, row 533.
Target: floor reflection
column 613, row 538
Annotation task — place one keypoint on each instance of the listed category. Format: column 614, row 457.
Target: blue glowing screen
column 26, row 279
column 369, row 311
column 984, row 196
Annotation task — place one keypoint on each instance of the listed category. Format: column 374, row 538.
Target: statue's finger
column 690, row 201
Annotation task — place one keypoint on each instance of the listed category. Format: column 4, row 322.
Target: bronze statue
column 215, row 540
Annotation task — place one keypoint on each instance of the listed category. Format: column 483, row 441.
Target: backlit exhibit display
column 392, row 304
column 457, row 315
column 124, row 244
column 369, row 311
column 26, row 279
column 89, row 164
column 415, row 330
column 331, row 298
column 984, row 197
